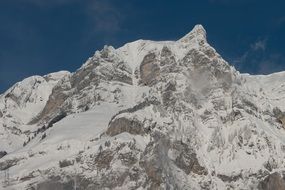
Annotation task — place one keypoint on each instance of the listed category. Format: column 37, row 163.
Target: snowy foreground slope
column 148, row 115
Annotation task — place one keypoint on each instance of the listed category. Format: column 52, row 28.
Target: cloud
column 259, row 45
column 256, row 46
column 258, row 60
column 281, row 21
column 273, row 63
column 105, row 16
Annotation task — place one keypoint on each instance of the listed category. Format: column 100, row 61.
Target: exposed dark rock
column 2, row 154
column 153, row 172
column 149, row 70
column 58, row 185
column 279, row 115
column 260, row 174
column 168, row 96
column 166, row 52
column 282, row 120
column 187, row 159
column 54, row 104
column 233, row 116
column 134, row 173
column 229, row 179
column 167, row 62
column 205, row 70
column 121, row 125
column 9, row 163
column 44, row 136
column 110, row 181
column 12, row 96
column 27, row 177
column 121, row 74
column 123, row 78
column 219, row 104
column 249, row 104
column 277, row 112
column 210, row 52
column 271, row 164
column 136, row 108
column 65, row 163
column 157, row 165
column 56, row 119
column 272, row 181
column 196, row 58
column 78, row 79
column 104, row 159
column 128, row 159
column 67, row 183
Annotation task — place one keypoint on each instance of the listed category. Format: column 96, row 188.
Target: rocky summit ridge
column 147, row 115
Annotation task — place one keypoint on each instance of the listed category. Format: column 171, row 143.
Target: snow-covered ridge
column 148, row 115
column 21, row 103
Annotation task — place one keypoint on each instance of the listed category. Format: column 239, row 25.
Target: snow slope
column 20, row 104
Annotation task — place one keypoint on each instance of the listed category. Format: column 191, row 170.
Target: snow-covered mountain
column 148, row 115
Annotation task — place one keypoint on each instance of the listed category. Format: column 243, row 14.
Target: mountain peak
column 159, row 115
column 198, row 32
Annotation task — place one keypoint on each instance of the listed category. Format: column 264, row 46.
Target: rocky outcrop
column 282, row 120
column 121, row 125
column 104, row 159
column 137, row 107
column 2, row 154
column 65, row 163
column 168, row 96
column 157, row 164
column 273, row 181
column 56, row 119
column 54, row 184
column 6, row 164
column 54, row 104
column 149, row 70
column 187, row 159
column 279, row 115
column 229, row 179
column 168, row 63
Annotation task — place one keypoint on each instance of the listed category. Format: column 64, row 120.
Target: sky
column 43, row 36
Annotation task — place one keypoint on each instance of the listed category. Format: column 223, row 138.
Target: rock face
column 148, row 115
column 187, row 160
column 122, row 125
column 273, row 181
column 149, row 70
column 281, row 119
column 2, row 154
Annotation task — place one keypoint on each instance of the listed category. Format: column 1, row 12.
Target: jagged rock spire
column 198, row 32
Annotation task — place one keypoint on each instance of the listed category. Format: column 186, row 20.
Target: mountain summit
column 148, row 115
column 198, row 32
